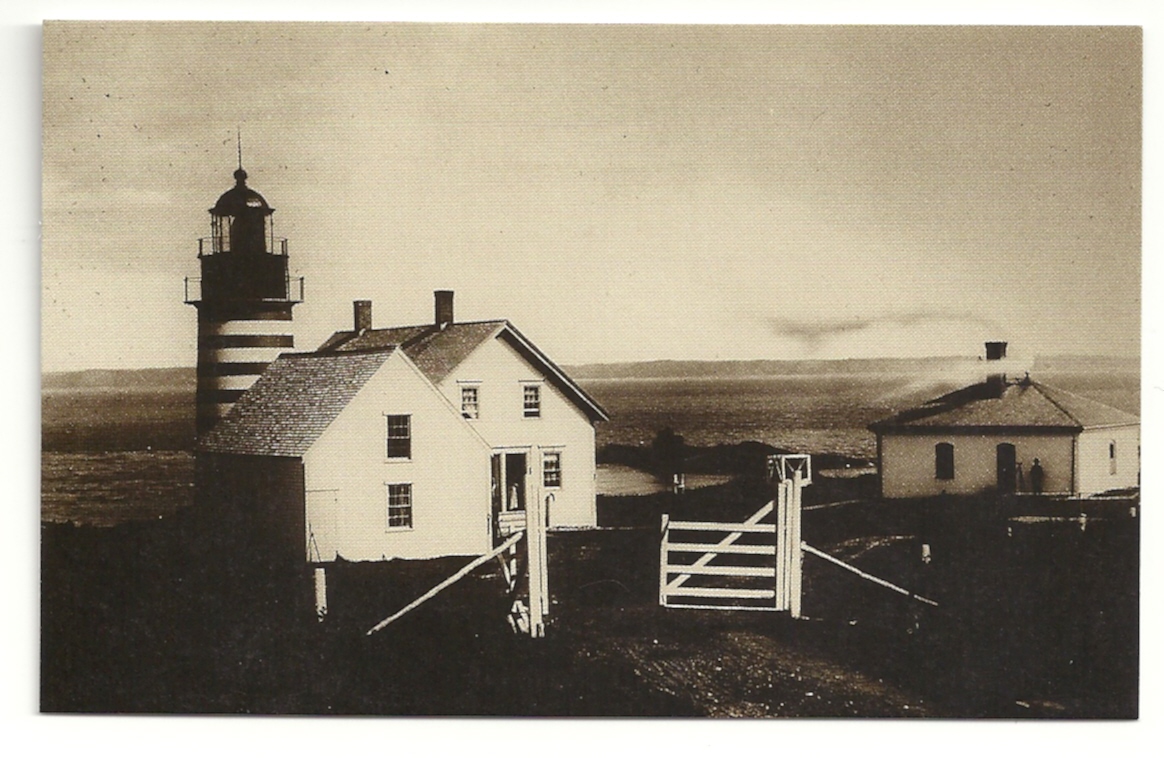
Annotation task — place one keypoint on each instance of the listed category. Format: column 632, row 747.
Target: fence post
column 663, row 543
column 320, row 592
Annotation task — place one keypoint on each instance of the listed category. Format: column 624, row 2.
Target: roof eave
column 975, row 429
column 1119, row 425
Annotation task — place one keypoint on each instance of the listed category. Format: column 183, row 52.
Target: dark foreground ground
column 1037, row 618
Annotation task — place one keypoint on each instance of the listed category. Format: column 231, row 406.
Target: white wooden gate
column 752, row 565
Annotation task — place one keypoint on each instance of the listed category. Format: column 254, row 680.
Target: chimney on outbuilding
column 443, row 302
column 996, row 362
column 362, row 315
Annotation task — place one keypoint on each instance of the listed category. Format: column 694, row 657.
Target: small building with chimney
column 1006, row 435
column 404, row 442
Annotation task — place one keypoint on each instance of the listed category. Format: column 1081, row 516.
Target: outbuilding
column 988, row 437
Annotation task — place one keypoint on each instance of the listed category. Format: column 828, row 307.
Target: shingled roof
column 437, row 351
column 293, row 402
column 1024, row 405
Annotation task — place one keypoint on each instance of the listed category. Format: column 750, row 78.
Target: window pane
column 552, row 470
column 399, row 436
column 532, row 401
column 400, row 506
column 469, row 406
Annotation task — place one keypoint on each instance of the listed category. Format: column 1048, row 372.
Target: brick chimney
column 362, row 315
column 443, row 302
column 996, row 368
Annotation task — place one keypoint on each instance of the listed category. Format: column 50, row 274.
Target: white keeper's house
column 986, row 438
column 405, row 442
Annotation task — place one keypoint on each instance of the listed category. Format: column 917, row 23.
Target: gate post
column 796, row 555
column 535, row 546
column 781, row 546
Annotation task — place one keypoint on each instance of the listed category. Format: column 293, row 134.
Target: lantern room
column 240, row 222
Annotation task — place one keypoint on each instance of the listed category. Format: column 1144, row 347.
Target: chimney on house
column 362, row 315
column 444, row 308
column 996, row 368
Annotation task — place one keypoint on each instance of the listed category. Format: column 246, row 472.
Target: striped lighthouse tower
column 244, row 299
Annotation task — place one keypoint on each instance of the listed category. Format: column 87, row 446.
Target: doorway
column 515, row 481
column 1005, row 457
column 508, row 474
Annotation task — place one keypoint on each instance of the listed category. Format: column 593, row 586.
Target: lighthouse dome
column 240, row 199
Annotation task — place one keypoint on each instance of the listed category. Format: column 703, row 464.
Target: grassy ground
column 1039, row 620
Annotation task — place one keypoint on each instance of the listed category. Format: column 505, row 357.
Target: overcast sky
column 619, row 193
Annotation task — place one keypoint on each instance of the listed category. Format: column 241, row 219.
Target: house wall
column 1095, row 464
column 907, row 462
column 499, row 372
column 347, row 472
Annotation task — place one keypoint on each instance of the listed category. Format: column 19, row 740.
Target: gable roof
column 1026, row 405
column 437, row 352
column 293, row 402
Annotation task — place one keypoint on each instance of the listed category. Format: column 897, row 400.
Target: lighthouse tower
column 244, row 299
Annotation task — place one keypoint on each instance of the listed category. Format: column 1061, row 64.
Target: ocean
column 112, row 453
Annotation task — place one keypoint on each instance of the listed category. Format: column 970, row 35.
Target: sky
column 618, row 192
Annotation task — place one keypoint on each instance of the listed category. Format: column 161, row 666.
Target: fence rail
column 711, row 526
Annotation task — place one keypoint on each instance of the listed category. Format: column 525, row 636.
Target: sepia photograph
column 620, row 370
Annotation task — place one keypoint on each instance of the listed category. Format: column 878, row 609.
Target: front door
column 1006, row 468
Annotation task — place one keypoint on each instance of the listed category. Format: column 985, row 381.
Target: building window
column 470, row 407
column 944, row 461
column 552, row 469
column 532, row 401
column 1111, row 457
column 399, row 506
column 399, row 436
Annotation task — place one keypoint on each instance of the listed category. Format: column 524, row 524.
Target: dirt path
column 738, row 664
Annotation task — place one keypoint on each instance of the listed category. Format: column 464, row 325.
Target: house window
column 532, row 401
column 552, row 469
column 399, row 436
column 470, row 407
column 944, row 461
column 1111, row 457
column 399, row 506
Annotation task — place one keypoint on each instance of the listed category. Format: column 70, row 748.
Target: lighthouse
column 244, row 299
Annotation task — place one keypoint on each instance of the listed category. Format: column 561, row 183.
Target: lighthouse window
column 399, row 436
column 1111, row 457
column 399, row 506
column 944, row 461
